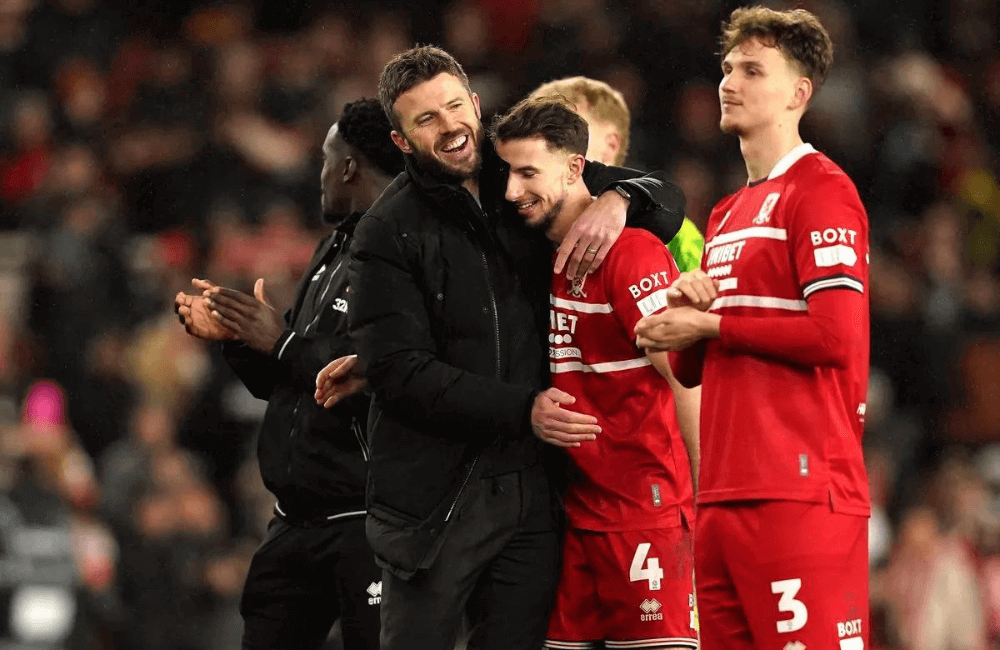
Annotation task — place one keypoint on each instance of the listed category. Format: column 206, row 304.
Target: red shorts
column 781, row 574
column 631, row 589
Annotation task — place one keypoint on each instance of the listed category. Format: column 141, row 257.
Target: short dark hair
column 364, row 126
column 797, row 33
column 551, row 118
column 410, row 68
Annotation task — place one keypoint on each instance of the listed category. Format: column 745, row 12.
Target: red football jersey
column 771, row 429
column 636, row 474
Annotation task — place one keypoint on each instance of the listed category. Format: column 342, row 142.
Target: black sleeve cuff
column 284, row 342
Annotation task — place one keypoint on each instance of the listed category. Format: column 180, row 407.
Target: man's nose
column 513, row 190
column 449, row 122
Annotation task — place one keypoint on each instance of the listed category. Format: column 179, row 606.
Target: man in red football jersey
column 775, row 328
column 627, row 558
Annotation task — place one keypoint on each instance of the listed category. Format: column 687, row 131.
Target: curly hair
column 551, row 118
column 364, row 126
column 798, row 34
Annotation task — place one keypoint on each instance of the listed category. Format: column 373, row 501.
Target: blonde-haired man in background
column 609, row 121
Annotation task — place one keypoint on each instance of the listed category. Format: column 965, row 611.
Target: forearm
column 656, row 204
column 824, row 336
column 441, row 399
column 391, row 331
column 687, row 364
column 687, row 402
column 687, row 406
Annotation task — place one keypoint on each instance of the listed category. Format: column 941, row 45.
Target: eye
column 424, row 120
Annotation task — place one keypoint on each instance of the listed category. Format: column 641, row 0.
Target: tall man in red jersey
column 627, row 558
column 775, row 328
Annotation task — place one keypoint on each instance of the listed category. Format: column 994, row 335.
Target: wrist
column 711, row 325
column 617, row 196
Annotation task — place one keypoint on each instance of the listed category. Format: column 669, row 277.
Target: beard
column 448, row 173
column 547, row 219
column 729, row 128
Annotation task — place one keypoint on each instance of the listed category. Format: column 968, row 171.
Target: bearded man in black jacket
column 450, row 315
column 315, row 565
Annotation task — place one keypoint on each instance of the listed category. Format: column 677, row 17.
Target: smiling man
column 775, row 327
column 630, row 503
column 449, row 314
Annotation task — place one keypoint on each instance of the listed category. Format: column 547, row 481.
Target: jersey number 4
column 651, row 572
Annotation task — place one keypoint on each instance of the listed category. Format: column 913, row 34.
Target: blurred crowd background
column 143, row 144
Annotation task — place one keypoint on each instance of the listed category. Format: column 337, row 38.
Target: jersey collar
column 790, row 159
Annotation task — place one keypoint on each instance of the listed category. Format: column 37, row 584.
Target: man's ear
column 350, row 170
column 803, row 92
column 613, row 143
column 576, row 164
column 475, row 103
column 401, row 142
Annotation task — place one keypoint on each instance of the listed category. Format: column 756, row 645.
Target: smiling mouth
column 456, row 144
column 526, row 206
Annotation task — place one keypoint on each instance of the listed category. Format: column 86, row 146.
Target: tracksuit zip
column 298, row 402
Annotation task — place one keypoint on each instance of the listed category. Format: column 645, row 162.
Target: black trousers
column 305, row 577
column 499, row 564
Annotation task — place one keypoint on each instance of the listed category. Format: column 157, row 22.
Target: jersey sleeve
column 640, row 269
column 829, row 236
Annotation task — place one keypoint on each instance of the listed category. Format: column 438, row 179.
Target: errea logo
column 651, row 610
column 375, row 591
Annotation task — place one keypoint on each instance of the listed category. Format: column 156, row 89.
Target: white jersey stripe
column 607, row 366
column 765, row 302
column 653, row 643
column 762, row 232
column 568, row 645
column 584, row 307
column 831, row 283
column 728, row 284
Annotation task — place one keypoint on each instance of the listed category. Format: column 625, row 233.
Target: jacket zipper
column 496, row 349
column 298, row 401
column 496, row 317
column 356, row 427
column 461, row 489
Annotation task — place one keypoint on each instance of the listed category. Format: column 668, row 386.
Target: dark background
column 141, row 146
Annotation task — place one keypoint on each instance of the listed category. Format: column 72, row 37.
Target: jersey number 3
column 651, row 572
column 789, row 604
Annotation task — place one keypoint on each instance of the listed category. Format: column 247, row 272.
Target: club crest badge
column 576, row 287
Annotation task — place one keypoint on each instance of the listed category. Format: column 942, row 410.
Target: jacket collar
column 347, row 226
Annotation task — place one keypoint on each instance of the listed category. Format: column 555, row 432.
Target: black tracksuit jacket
column 449, row 317
column 313, row 459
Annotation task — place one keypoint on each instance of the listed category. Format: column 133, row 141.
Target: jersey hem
column 673, row 518
column 727, row 496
